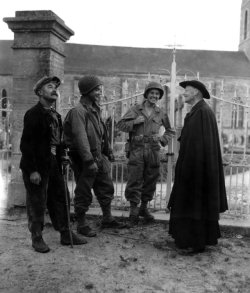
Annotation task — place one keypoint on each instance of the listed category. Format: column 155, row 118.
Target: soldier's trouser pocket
column 154, row 158
column 105, row 165
column 136, row 156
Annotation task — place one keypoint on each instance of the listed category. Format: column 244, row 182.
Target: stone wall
column 38, row 50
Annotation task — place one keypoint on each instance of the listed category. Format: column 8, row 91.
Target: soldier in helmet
column 86, row 136
column 143, row 122
column 42, row 156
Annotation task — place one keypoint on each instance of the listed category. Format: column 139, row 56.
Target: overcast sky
column 193, row 24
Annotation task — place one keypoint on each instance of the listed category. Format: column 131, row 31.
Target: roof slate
column 108, row 60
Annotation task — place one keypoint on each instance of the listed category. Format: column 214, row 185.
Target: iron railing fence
column 5, row 154
column 237, row 186
column 233, row 124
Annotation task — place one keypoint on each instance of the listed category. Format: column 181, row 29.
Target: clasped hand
column 140, row 119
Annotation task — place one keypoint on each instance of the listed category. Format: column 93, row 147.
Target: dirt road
column 137, row 260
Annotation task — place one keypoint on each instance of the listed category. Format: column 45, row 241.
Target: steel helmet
column 153, row 85
column 87, row 83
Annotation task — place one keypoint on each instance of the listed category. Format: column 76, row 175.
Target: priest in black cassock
column 199, row 194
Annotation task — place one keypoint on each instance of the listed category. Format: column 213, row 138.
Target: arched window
column 238, row 116
column 4, row 102
column 241, row 117
column 245, row 24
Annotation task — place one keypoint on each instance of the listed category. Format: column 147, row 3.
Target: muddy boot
column 133, row 215
column 37, row 240
column 144, row 212
column 77, row 240
column 108, row 221
column 83, row 228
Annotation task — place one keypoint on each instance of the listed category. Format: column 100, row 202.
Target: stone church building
column 124, row 70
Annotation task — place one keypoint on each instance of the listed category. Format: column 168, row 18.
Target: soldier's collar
column 93, row 107
column 156, row 107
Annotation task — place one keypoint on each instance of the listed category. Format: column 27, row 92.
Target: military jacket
column 151, row 126
column 86, row 133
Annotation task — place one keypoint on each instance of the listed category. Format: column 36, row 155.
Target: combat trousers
column 100, row 182
column 50, row 194
column 143, row 172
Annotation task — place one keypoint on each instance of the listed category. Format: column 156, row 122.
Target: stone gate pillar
column 38, row 50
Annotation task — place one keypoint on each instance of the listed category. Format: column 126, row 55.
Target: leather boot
column 144, row 212
column 108, row 221
column 133, row 214
column 83, row 228
column 37, row 240
column 77, row 240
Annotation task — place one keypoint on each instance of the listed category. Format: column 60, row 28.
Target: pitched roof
column 106, row 60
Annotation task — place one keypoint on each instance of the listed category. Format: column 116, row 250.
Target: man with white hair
column 199, row 193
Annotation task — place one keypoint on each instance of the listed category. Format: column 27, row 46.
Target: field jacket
column 150, row 128
column 86, row 133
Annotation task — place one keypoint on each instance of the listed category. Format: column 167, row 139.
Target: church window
column 237, row 120
column 4, row 103
column 245, row 24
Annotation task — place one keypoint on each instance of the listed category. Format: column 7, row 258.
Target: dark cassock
column 199, row 194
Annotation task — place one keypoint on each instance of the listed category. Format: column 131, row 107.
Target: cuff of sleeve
column 164, row 142
column 131, row 127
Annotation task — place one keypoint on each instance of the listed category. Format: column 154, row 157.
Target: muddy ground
column 142, row 259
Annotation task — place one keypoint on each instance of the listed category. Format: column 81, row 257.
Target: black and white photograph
column 125, row 146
